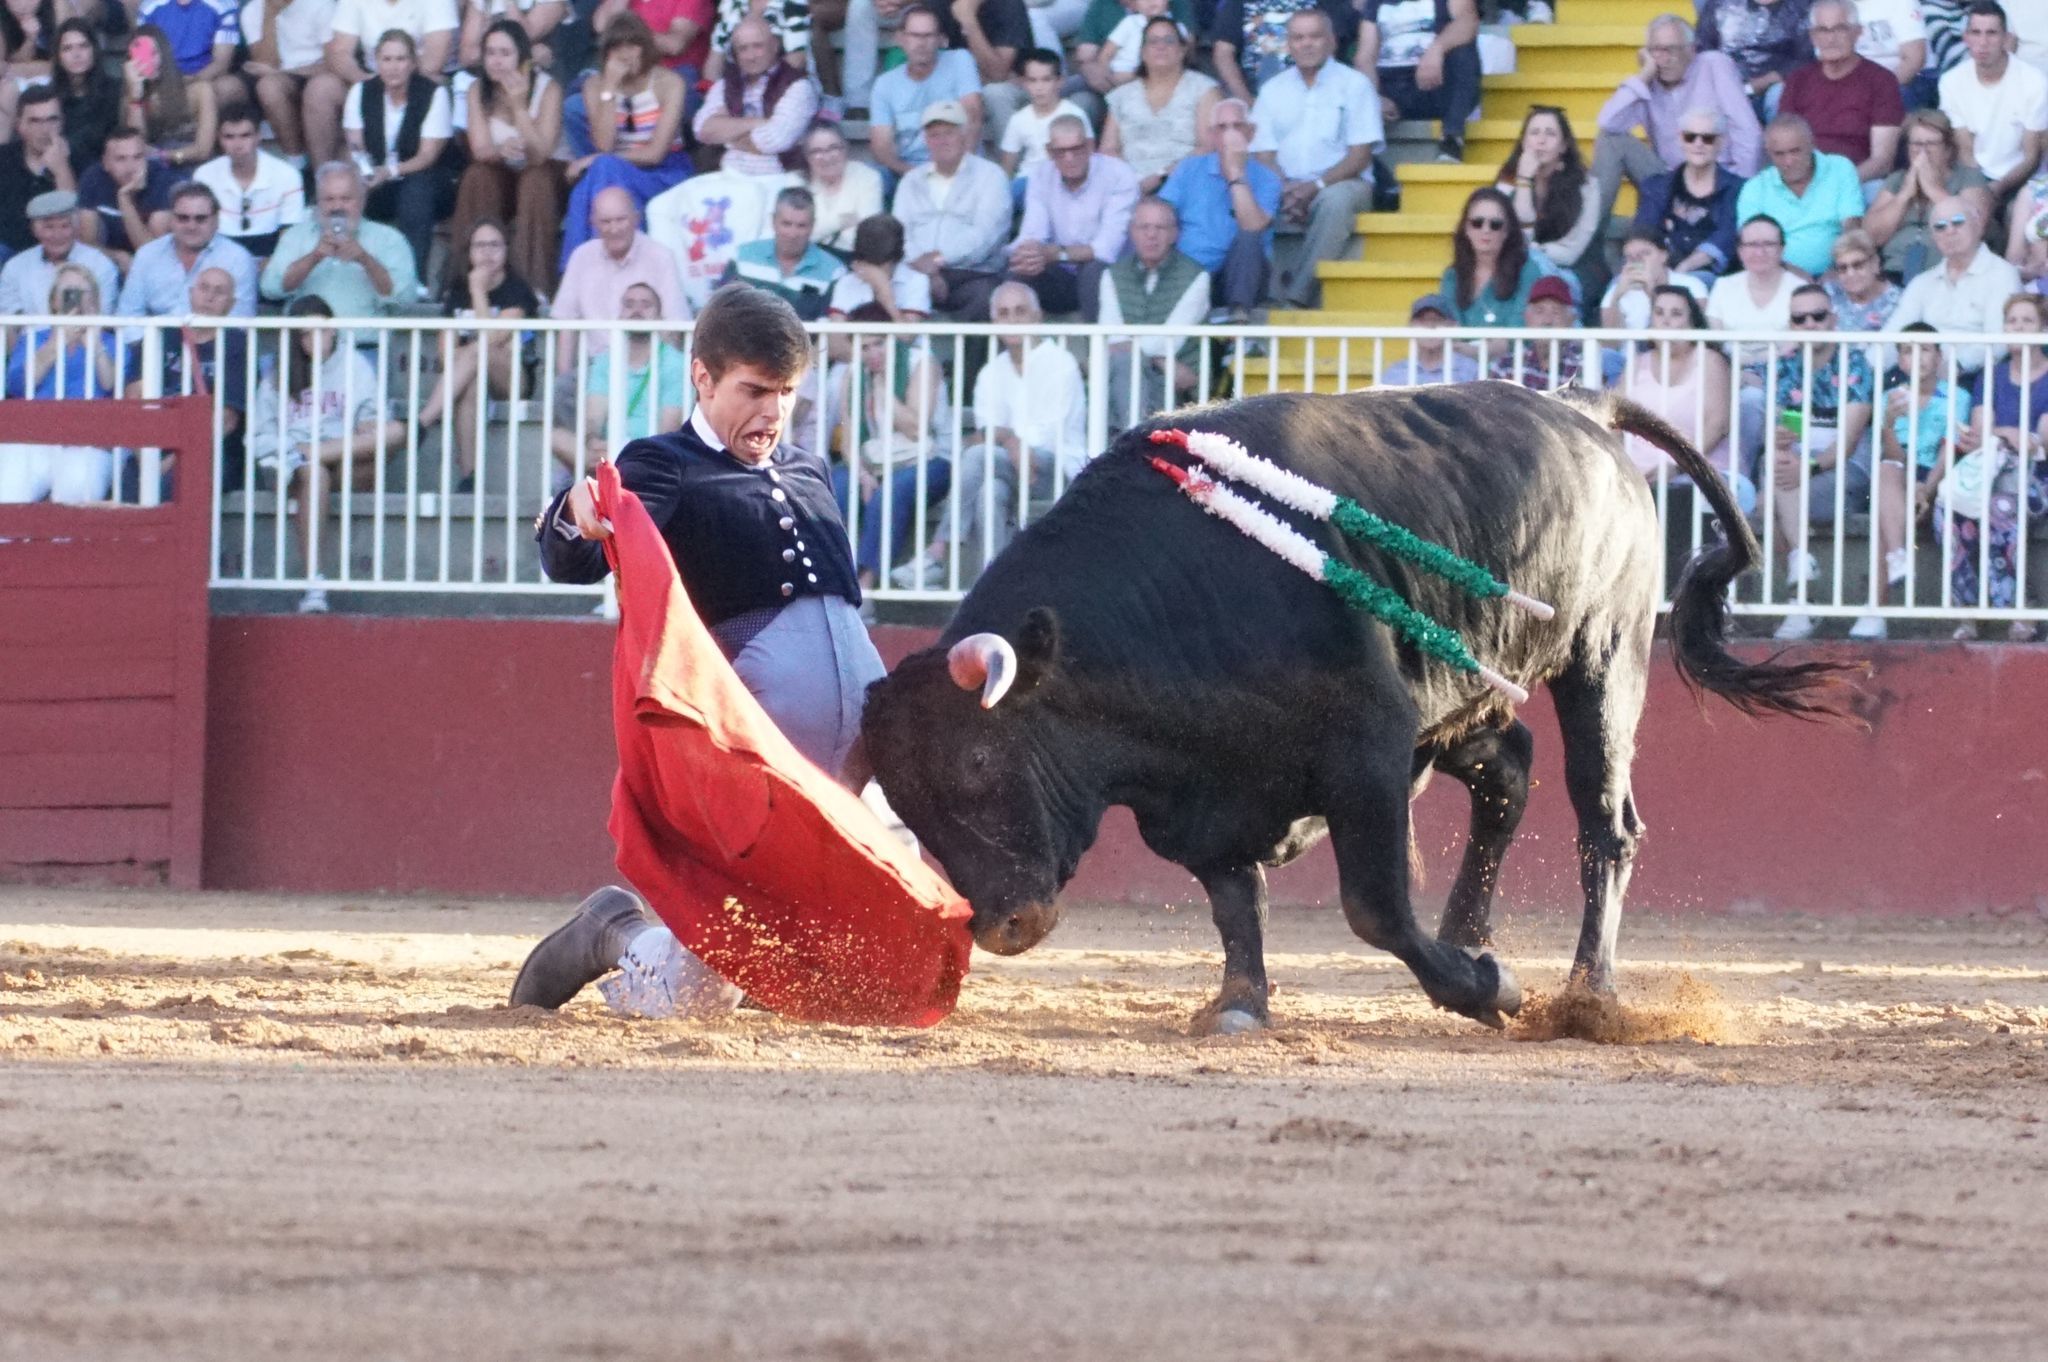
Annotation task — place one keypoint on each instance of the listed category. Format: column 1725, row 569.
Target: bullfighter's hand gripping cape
column 768, row 869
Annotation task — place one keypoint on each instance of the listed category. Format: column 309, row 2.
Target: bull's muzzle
column 1012, row 931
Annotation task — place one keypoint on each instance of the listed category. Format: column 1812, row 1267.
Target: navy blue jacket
column 1710, row 226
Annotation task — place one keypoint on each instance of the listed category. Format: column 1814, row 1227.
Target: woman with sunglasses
column 1692, row 209
column 1898, row 217
column 1491, row 272
column 2019, row 427
column 1864, row 299
column 1546, row 177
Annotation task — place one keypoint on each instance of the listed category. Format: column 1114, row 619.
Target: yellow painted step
column 1428, row 188
column 1365, row 286
column 1407, row 238
column 1577, row 49
column 1488, row 141
column 1579, row 13
column 1580, row 96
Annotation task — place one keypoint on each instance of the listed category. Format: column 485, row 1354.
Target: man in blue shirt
column 160, row 282
column 930, row 72
column 202, row 33
column 1226, row 200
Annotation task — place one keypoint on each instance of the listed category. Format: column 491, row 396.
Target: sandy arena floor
column 238, row 1128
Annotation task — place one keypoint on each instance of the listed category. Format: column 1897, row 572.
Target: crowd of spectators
column 1122, row 161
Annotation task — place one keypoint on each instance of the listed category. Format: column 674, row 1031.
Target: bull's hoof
column 1226, row 1021
column 1507, row 992
column 1496, row 997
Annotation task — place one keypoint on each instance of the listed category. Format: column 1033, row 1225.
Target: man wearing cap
column 1543, row 365
column 1427, row 361
column 26, row 278
column 955, row 211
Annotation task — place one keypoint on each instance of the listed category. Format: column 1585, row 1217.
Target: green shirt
column 642, row 405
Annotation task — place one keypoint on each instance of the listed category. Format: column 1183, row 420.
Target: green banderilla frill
column 1384, row 604
column 1358, row 523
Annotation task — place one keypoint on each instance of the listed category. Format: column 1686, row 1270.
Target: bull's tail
column 1699, row 605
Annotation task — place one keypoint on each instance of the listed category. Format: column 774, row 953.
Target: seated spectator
column 1822, row 437
column 1152, row 284
column 1030, row 423
column 1757, row 297
column 34, row 163
column 1123, row 46
column 490, row 289
column 788, row 22
column 1155, row 119
column 1675, row 82
column 867, row 23
column 1318, row 124
column 991, row 34
column 125, row 199
column 259, row 195
column 1895, row 38
column 759, row 108
column 1998, row 103
column 202, row 360
column 356, row 268
column 930, row 73
column 1764, row 38
column 175, row 115
column 1423, row 60
column 1897, row 220
column 357, row 25
column 2019, row 425
column 682, row 36
column 1100, row 18
column 26, row 278
column 640, row 147
column 1852, row 104
column 322, row 409
column 537, row 19
column 1431, row 361
column 655, row 374
column 1022, row 144
column 897, row 439
column 1251, row 42
column 785, row 262
column 1226, row 201
column 202, row 34
column 1543, row 365
column 1686, row 383
column 1491, row 269
column 955, row 211
column 1916, row 429
column 601, row 269
column 1691, row 211
column 1810, row 194
column 847, row 192
column 1546, row 179
column 397, row 126
column 1863, row 298
column 1630, row 301
column 88, row 94
column 27, row 40
column 160, row 278
column 515, row 120
column 1077, row 214
column 881, row 276
column 1964, row 293
column 62, row 361
column 287, row 46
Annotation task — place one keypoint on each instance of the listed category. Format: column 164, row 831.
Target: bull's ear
column 1038, row 648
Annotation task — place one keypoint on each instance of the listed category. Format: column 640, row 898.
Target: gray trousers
column 811, row 669
column 1616, row 154
column 1331, row 219
column 1241, row 282
column 864, row 28
column 985, row 484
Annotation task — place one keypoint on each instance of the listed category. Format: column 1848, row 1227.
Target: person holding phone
column 359, row 268
column 175, row 116
column 63, row 361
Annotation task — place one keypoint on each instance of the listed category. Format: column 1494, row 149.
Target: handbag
column 1966, row 488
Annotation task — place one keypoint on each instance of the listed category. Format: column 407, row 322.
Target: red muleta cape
column 768, row 869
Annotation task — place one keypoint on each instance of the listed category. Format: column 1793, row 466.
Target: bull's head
column 969, row 747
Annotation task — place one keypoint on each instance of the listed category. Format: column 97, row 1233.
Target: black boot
column 582, row 950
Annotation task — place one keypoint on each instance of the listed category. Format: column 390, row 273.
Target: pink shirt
column 594, row 283
column 659, row 14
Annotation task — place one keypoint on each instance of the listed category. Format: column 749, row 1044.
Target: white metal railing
column 395, row 514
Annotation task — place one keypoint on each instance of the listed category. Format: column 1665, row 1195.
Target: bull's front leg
column 1237, row 900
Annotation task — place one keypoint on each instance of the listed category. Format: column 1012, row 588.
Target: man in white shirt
column 26, row 278
column 287, row 41
column 1966, row 292
column 1999, row 105
column 357, row 26
column 259, row 194
column 1031, row 412
column 1318, row 123
column 1152, row 284
column 955, row 211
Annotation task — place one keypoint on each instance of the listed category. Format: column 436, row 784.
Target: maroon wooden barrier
column 103, row 644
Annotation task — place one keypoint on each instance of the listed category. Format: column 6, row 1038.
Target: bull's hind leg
column 1599, row 700
column 1493, row 766
column 1237, row 899
column 1368, row 817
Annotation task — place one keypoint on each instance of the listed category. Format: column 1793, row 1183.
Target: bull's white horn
column 984, row 660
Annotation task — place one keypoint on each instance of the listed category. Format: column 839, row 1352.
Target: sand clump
column 1690, row 1009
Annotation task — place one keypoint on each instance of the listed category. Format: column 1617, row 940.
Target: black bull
column 1129, row 649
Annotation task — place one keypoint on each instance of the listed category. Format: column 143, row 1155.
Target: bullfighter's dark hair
column 1564, row 195
column 746, row 325
column 1514, row 250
